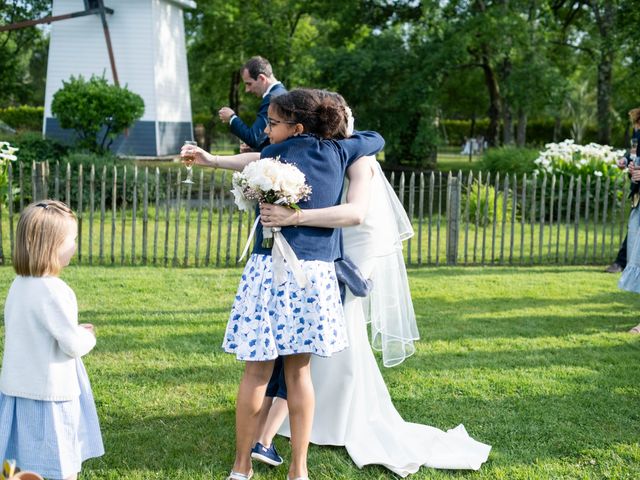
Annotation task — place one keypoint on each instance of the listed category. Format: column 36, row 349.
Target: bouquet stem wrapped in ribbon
column 269, row 180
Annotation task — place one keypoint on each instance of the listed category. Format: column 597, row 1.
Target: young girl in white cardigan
column 48, row 419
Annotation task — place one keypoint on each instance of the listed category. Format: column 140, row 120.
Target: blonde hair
column 40, row 233
column 634, row 116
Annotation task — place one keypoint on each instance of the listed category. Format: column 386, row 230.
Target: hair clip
column 43, row 205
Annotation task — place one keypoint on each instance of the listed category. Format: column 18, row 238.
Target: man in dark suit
column 258, row 79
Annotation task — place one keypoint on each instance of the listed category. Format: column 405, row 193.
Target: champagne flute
column 633, row 151
column 188, row 163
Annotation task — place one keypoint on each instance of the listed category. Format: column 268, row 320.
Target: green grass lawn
column 453, row 162
column 223, row 241
column 534, row 361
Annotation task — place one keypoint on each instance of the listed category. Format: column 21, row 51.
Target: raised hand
column 225, row 114
column 200, row 156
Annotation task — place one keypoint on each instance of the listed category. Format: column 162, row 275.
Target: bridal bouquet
column 269, row 180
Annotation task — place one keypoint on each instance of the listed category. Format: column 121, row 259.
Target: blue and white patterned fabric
column 267, row 321
column 51, row 438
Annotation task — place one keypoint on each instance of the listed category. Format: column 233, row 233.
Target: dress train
column 353, row 406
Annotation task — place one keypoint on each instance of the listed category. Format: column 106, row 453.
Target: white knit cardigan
column 42, row 340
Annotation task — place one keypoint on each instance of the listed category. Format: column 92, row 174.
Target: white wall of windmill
column 148, row 42
column 173, row 98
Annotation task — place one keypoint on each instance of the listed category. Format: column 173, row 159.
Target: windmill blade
column 53, row 18
column 93, row 7
column 107, row 37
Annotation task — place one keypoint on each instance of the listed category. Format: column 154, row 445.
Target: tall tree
column 17, row 47
column 596, row 28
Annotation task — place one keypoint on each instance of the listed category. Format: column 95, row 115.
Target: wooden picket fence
column 141, row 216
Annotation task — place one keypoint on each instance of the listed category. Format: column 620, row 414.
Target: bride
column 353, row 406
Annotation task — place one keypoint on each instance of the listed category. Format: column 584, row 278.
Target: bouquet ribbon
column 281, row 254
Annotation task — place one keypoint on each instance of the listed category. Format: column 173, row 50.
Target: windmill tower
column 139, row 44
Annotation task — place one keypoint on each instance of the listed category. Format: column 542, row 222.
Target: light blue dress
column 630, row 279
column 51, row 438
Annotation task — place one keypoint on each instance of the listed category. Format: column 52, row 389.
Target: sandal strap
column 240, row 476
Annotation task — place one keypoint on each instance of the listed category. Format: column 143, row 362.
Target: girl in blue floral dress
column 269, row 320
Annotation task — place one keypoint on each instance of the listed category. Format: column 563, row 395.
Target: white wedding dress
column 353, row 406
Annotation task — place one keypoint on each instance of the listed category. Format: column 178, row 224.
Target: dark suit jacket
column 254, row 135
column 635, row 187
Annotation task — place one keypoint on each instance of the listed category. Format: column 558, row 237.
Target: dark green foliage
column 23, row 53
column 97, row 111
column 34, row 148
column 24, row 117
column 509, row 160
column 539, row 132
column 455, row 131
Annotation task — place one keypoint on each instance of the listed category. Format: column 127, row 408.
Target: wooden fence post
column 453, row 219
column 40, row 180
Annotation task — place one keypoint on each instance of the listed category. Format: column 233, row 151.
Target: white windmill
column 137, row 43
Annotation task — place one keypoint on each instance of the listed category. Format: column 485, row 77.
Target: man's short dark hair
column 258, row 65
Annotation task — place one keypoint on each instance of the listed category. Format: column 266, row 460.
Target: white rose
column 241, row 201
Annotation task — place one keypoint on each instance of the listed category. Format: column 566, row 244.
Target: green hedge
column 35, row 148
column 539, row 132
column 509, row 160
column 24, row 117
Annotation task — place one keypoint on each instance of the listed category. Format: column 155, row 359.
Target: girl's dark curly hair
column 320, row 112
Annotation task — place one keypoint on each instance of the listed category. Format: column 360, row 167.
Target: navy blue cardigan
column 323, row 163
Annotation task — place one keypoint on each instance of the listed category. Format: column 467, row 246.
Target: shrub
column 509, row 160
column 24, row 117
column 96, row 109
column 482, row 199
column 34, row 148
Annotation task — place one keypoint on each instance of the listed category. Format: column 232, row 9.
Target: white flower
column 567, row 155
column 7, row 151
column 241, row 201
column 269, row 179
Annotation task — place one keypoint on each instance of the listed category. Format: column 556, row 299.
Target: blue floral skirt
column 269, row 320
column 51, row 438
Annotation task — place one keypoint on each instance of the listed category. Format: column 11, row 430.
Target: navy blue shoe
column 266, row 455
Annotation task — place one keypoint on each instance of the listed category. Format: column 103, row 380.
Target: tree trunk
column 605, row 75
column 522, row 128
column 495, row 102
column 507, row 124
column 507, row 114
column 234, row 90
column 557, row 128
column 472, row 134
column 605, row 19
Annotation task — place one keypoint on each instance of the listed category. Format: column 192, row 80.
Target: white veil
column 378, row 244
